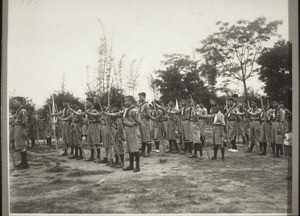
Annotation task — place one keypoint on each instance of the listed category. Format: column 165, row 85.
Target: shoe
column 230, row 150
column 137, row 169
column 169, row 151
column 143, row 154
column 157, row 151
column 234, row 150
column 112, row 164
column 73, row 157
column 128, row 168
column 97, row 160
column 222, row 159
column 64, row 154
column 175, row 152
column 104, row 160
column 193, row 156
column 23, row 166
column 262, row 153
column 275, row 156
column 90, row 159
column 118, row 166
column 79, row 158
column 213, row 158
column 154, row 150
column 201, row 158
column 182, row 152
column 248, row 151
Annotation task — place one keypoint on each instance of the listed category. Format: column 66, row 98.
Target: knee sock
column 131, row 158
column 143, row 147
column 117, row 159
column 137, row 159
column 175, row 145
column 222, row 152
column 122, row 158
column 200, row 149
column 156, row 144
column 98, row 152
column 196, row 145
column 273, row 148
column 171, row 145
column 260, row 146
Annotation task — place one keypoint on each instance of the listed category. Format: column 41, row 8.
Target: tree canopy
column 233, row 50
column 276, row 71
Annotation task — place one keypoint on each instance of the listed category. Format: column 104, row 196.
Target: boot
column 120, row 165
column 110, row 162
column 149, row 147
column 65, row 153
column 215, row 153
column 223, row 153
column 277, row 151
column 201, row 151
column 76, row 153
column 131, row 158
column 98, row 155
column 280, row 150
column 273, row 148
column 80, row 154
column 234, row 143
column 137, row 162
column 32, row 142
column 143, row 149
column 176, row 147
column 117, row 163
column 260, row 146
column 171, row 146
column 195, row 150
column 72, row 149
column 24, row 164
column 156, row 145
column 251, row 147
column 264, row 147
column 190, row 147
column 104, row 160
column 92, row 158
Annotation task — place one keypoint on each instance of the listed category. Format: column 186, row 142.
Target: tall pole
column 54, row 120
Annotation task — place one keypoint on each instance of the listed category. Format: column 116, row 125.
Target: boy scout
column 119, row 138
column 131, row 120
column 76, row 132
column 33, row 127
column 219, row 130
column 195, row 127
column 20, row 131
column 65, row 118
column 144, row 110
column 254, row 113
column 93, row 136
column 185, row 113
column 265, row 130
column 158, row 126
column 277, row 132
column 171, row 126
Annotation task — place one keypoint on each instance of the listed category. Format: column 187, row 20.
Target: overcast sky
column 49, row 38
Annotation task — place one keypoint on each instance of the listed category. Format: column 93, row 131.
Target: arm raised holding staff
column 131, row 120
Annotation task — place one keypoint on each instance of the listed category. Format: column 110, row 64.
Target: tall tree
column 234, row 49
column 180, row 79
column 276, row 71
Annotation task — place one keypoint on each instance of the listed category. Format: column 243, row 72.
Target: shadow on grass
column 78, row 173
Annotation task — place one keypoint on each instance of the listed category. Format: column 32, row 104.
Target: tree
column 276, row 71
column 181, row 79
column 234, row 49
column 132, row 78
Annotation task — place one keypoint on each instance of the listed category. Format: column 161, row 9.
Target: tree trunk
column 245, row 89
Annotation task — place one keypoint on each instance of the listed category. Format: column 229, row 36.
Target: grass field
column 167, row 183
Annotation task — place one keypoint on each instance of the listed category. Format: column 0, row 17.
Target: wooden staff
column 53, row 124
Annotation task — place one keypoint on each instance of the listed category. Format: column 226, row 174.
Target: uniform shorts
column 218, row 135
column 254, row 131
column 93, row 135
column 20, row 137
column 131, row 139
column 265, row 132
column 195, row 132
column 185, row 128
column 66, row 133
column 75, row 134
column 171, row 127
column 145, row 130
column 277, row 132
column 104, row 136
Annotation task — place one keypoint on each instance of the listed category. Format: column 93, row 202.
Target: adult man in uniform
column 144, row 110
column 33, row 127
column 255, row 127
column 20, row 131
column 232, row 124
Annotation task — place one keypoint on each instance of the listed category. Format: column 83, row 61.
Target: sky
column 52, row 41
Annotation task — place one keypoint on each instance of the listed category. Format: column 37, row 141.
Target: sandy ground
column 167, row 183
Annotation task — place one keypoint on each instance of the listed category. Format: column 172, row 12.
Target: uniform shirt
column 77, row 119
column 144, row 110
column 131, row 116
column 266, row 115
column 172, row 116
column 93, row 119
column 219, row 119
column 195, row 114
column 185, row 112
column 159, row 115
column 21, row 117
column 235, row 108
column 256, row 111
column 279, row 115
column 65, row 113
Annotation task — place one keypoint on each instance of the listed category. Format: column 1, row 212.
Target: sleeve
column 204, row 111
column 136, row 116
column 282, row 116
column 23, row 117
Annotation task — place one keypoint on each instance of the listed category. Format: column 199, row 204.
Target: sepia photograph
column 150, row 107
